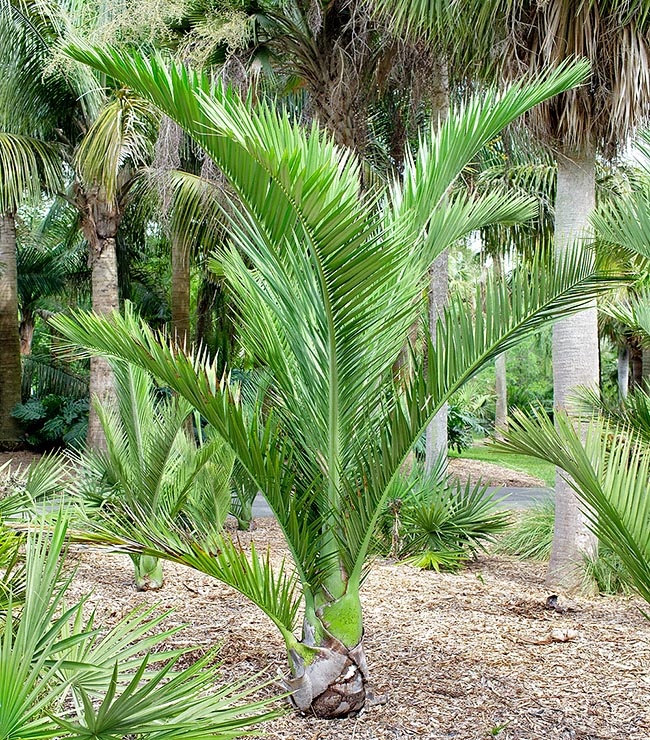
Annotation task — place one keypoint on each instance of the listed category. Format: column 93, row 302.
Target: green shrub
column 531, row 538
column 439, row 525
column 53, row 421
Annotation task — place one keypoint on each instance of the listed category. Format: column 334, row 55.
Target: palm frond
column 609, row 472
column 27, row 167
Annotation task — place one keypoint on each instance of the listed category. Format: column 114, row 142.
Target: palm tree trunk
column 329, row 670
column 10, row 369
column 436, row 436
column 26, row 333
column 500, row 375
column 623, row 371
column 575, row 363
column 636, row 364
column 99, row 223
column 180, row 291
column 501, row 391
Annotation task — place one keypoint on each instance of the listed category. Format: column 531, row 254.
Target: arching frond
column 28, row 166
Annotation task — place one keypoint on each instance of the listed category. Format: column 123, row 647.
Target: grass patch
column 521, row 463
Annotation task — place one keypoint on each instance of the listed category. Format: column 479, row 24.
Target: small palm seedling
column 152, row 466
column 328, row 280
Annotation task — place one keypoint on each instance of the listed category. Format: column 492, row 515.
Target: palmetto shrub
column 61, row 678
column 441, row 523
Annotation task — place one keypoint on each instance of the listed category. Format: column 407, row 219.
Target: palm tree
column 151, row 464
column 27, row 165
column 105, row 136
column 581, row 124
column 327, row 287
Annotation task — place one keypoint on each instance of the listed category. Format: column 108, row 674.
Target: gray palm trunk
column 500, row 377
column 575, row 364
column 436, row 435
column 501, row 392
column 10, row 366
column 101, row 232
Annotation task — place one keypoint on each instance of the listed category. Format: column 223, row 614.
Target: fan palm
column 328, row 283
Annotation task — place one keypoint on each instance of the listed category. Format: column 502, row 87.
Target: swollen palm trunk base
column 148, row 572
column 333, row 683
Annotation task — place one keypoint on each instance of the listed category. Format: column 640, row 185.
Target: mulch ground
column 469, row 656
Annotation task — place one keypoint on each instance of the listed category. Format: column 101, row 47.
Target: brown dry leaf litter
column 455, row 656
column 491, row 474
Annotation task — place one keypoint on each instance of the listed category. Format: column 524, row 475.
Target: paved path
column 513, row 498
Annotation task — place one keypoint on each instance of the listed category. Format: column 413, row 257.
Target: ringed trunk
column 575, row 364
column 100, row 221
column 10, row 365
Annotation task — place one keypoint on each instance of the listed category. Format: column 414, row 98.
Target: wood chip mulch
column 468, row 656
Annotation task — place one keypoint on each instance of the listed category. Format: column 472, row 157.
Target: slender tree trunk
column 10, row 366
column 180, row 292
column 26, row 333
column 501, row 391
column 575, row 363
column 636, row 364
column 100, row 221
column 500, row 376
column 436, row 436
column 623, row 371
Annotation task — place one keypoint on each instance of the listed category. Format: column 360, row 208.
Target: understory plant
column 531, row 537
column 609, row 469
column 61, row 678
column 153, row 465
column 328, row 280
column 440, row 523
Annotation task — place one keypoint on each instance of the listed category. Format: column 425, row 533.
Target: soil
column 468, row 656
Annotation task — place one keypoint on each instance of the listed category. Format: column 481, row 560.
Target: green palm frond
column 121, row 135
column 609, row 472
column 27, row 167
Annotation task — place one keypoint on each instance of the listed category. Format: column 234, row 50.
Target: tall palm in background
column 595, row 119
column 27, row 166
column 105, row 135
column 327, row 288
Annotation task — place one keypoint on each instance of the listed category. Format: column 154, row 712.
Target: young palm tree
column 151, row 465
column 327, row 282
column 27, row 165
